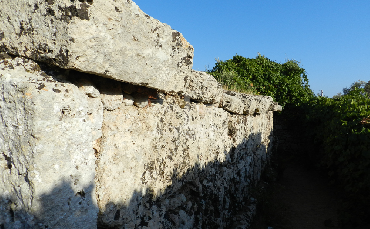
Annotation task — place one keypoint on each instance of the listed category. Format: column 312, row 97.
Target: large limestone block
column 142, row 148
column 175, row 165
column 47, row 162
column 111, row 38
column 203, row 87
column 239, row 103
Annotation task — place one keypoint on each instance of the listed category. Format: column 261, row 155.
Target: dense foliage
column 286, row 83
column 356, row 85
column 339, row 127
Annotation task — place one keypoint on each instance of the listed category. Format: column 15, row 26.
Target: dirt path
column 301, row 199
column 310, row 202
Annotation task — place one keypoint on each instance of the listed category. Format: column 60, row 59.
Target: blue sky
column 330, row 38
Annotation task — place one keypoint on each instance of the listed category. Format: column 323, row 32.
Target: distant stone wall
column 83, row 148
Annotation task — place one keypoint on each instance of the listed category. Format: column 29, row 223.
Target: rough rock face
column 157, row 145
column 111, row 38
column 47, row 131
column 238, row 103
column 189, row 167
column 70, row 148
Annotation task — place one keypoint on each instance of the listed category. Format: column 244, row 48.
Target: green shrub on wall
column 287, row 83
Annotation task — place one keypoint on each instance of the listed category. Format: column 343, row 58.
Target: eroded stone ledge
column 88, row 36
column 239, row 103
column 114, row 39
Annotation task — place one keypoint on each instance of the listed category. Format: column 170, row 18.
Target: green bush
column 355, row 86
column 287, row 83
column 342, row 126
column 341, row 129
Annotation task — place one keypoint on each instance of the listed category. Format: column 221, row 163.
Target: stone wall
column 149, row 143
column 111, row 38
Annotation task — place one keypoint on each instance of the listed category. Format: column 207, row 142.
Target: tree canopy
column 287, row 83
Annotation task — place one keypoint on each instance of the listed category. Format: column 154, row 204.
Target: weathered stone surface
column 173, row 163
column 156, row 146
column 202, row 87
column 110, row 93
column 111, row 38
column 233, row 104
column 141, row 100
column 276, row 107
column 128, row 100
column 47, row 129
column 170, row 165
column 239, row 103
column 88, row 88
column 114, row 39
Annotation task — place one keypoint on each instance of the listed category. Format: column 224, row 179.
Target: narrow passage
column 310, row 202
column 300, row 199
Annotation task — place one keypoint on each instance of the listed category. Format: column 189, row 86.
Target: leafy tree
column 338, row 95
column 358, row 85
column 367, row 87
column 340, row 128
column 287, row 83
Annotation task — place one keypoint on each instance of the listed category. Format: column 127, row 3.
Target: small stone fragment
column 128, row 100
